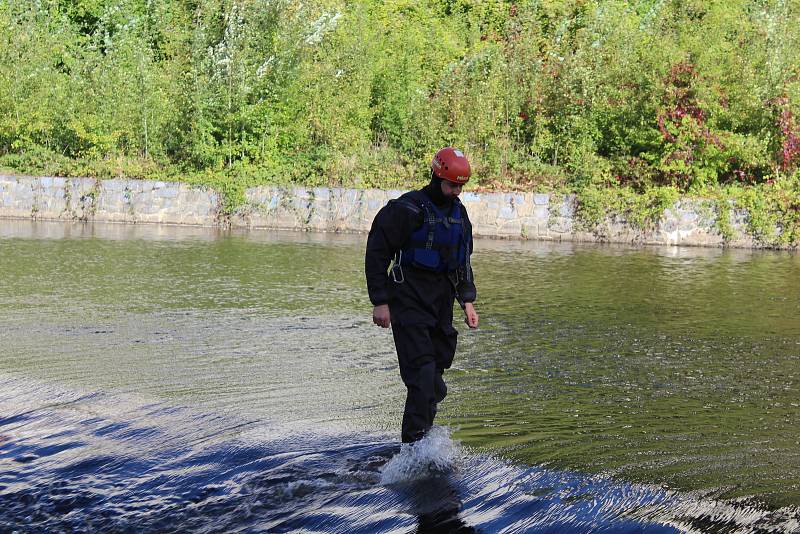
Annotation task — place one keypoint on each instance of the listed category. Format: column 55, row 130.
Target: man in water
column 426, row 236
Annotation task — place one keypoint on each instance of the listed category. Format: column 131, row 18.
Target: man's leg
column 415, row 355
column 444, row 343
column 439, row 392
column 418, row 413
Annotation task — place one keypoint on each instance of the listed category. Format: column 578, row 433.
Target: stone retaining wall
column 540, row 216
column 506, row 215
column 118, row 200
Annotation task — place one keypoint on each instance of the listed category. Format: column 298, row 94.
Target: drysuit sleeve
column 466, row 282
column 392, row 226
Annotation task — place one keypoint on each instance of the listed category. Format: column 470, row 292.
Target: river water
column 162, row 379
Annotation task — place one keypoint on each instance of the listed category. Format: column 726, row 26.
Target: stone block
column 560, row 225
column 168, row 192
column 469, row 197
column 114, row 186
column 510, row 229
column 507, row 211
column 567, row 208
column 321, row 193
column 541, row 212
column 23, row 194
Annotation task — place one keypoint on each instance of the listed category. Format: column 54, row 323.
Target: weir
column 162, row 376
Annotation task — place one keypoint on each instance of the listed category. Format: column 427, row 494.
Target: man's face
column 451, row 190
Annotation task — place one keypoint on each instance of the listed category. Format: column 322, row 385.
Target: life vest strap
column 424, row 245
column 433, row 220
column 409, row 205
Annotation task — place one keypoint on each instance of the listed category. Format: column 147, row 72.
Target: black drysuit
column 421, row 307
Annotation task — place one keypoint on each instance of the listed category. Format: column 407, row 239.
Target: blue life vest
column 440, row 244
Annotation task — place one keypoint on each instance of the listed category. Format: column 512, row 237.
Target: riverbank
column 538, row 216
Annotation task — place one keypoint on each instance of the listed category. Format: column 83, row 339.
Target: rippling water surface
column 157, row 379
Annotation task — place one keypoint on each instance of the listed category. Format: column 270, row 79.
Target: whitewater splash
column 434, row 453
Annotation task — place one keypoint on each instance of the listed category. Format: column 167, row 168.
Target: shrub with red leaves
column 790, row 132
column 680, row 99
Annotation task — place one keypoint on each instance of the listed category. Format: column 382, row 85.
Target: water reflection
column 435, row 502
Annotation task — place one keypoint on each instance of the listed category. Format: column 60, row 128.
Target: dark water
column 159, row 379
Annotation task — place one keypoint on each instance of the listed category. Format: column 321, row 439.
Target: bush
column 556, row 95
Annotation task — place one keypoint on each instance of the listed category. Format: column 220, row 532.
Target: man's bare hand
column 380, row 315
column 472, row 315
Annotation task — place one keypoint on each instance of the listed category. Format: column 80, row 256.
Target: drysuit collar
column 434, row 192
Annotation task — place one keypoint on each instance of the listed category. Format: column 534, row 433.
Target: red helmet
column 451, row 165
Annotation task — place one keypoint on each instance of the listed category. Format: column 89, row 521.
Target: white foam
column 435, row 452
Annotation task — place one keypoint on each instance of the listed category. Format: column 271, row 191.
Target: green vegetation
column 626, row 103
